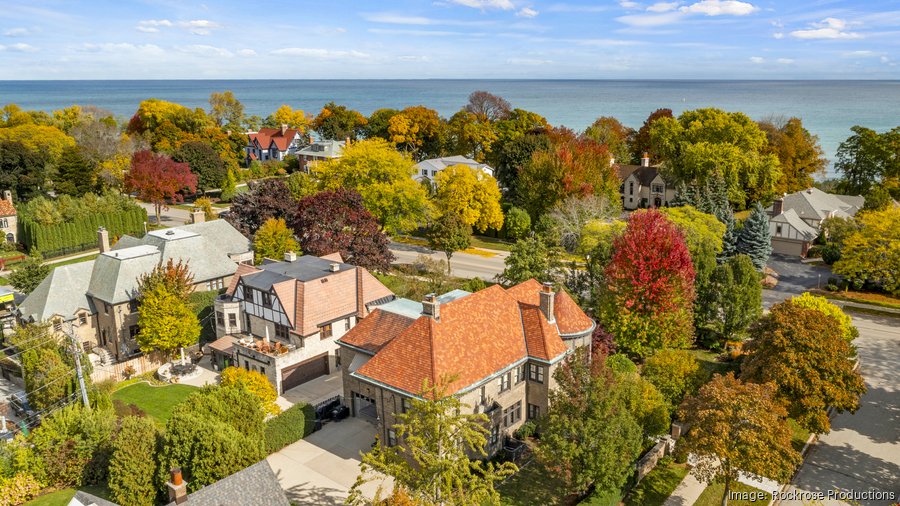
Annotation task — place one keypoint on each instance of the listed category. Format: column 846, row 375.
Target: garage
column 297, row 374
column 364, row 406
column 788, row 247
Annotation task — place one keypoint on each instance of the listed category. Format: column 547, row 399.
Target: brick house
column 282, row 318
column 501, row 346
column 8, row 220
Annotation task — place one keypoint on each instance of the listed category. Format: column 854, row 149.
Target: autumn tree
column 610, row 132
column 46, row 367
column 204, row 162
column 286, row 115
column 518, row 223
column 165, row 318
column 649, row 295
column 383, row 177
column 735, row 299
column 174, row 277
column 488, row 106
column 799, row 152
column 804, row 353
column 822, row 305
column 273, row 240
column 157, row 179
column 418, row 131
column 338, row 221
column 378, row 124
column 302, row 185
column 737, row 427
column 513, row 155
column 754, row 239
column 338, row 122
column 641, row 142
column 868, row 158
column 870, row 254
column 471, row 194
column 675, row 373
column 471, row 135
column 449, row 234
column 225, row 109
column 254, row 382
column 269, row 198
column 433, row 462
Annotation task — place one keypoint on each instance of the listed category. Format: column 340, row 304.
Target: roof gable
column 7, row 208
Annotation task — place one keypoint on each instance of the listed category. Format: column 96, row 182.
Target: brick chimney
column 290, row 256
column 777, row 206
column 103, row 239
column 177, row 487
column 645, row 160
column 547, row 299
column 198, row 215
column 311, row 141
column 431, row 307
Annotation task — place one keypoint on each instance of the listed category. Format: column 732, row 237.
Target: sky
column 466, row 39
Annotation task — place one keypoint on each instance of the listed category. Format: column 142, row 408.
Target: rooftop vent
column 335, row 267
column 170, row 232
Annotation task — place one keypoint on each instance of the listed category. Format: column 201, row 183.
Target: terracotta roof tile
column 541, row 338
column 569, row 316
column 7, row 208
column 267, row 136
column 376, row 330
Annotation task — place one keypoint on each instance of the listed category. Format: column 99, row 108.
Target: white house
column 273, row 143
column 796, row 219
column 426, row 170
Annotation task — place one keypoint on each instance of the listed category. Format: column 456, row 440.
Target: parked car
column 20, row 406
column 340, row 412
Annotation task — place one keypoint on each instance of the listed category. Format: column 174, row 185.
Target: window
column 533, row 411
column 133, row 331
column 248, row 294
column 57, row 325
column 405, row 405
column 232, row 320
column 434, row 173
column 424, row 172
column 505, row 381
column 622, row 188
column 82, row 319
column 536, row 373
column 392, row 437
column 520, row 374
column 346, row 324
column 326, row 332
column 215, row 284
column 778, row 229
column 266, row 299
column 4, row 223
column 220, row 319
column 281, row 332
column 495, row 434
column 657, row 188
column 512, row 414
column 132, row 306
column 631, row 188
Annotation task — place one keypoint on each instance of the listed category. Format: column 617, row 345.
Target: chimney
column 103, row 239
column 335, row 267
column 7, row 195
column 290, row 256
column 547, row 297
column 283, row 129
column 431, row 307
column 777, row 206
column 177, row 487
column 198, row 215
column 346, row 141
column 645, row 160
column 311, row 139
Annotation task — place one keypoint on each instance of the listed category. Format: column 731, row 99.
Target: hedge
column 290, row 426
column 80, row 234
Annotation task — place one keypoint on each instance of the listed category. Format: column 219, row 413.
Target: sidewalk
column 687, row 492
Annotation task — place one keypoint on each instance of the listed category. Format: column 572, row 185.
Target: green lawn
column 657, row 486
column 711, row 365
column 799, row 435
column 712, row 496
column 480, row 241
column 62, row 497
column 532, row 485
column 156, row 402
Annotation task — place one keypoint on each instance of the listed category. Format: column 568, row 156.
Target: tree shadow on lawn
column 535, row 484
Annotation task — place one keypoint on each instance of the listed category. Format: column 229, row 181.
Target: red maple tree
column 158, row 179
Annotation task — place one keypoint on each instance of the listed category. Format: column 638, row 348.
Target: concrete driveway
column 862, row 451
column 794, row 278
column 321, row 468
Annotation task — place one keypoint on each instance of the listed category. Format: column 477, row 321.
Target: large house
column 273, row 143
column 796, row 218
column 99, row 297
column 426, row 170
column 8, row 223
column 644, row 186
column 319, row 151
column 282, row 318
column 498, row 348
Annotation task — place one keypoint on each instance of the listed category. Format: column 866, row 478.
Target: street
column 462, row 265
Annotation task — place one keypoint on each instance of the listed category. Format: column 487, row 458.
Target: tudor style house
column 99, row 297
column 498, row 348
column 426, row 170
column 8, row 223
column 644, row 186
column 282, row 318
column 272, row 143
column 796, row 218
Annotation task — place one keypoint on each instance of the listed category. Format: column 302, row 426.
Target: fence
column 116, row 372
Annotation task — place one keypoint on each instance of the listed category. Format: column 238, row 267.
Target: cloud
column 321, row 54
column 785, row 61
column 16, row 32
column 246, row 52
column 395, row 19
column 205, row 50
column 628, row 4
column 720, row 8
column 152, row 25
column 663, row 6
column 423, row 33
column 575, row 8
column 828, row 28
column 121, row 47
column 199, row 26
column 778, row 35
column 528, row 61
column 606, row 42
column 505, row 5
column 757, row 59
column 648, row 20
column 413, row 58
column 527, row 12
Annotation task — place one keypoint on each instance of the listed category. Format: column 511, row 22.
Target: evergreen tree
column 754, row 239
column 228, row 187
column 133, row 466
column 75, row 173
column 729, row 240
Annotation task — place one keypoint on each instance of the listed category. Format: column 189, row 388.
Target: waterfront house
column 644, row 186
column 272, row 144
column 319, row 151
column 796, row 218
column 426, row 170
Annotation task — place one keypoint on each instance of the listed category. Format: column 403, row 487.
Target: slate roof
column 448, row 161
column 115, row 275
column 255, row 485
column 644, row 175
column 61, row 293
column 624, row 170
column 814, row 204
column 323, row 149
column 791, row 218
column 85, row 499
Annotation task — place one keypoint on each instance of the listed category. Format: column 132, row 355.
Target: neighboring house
column 796, row 218
column 318, row 151
column 99, row 297
column 644, row 186
column 426, row 170
column 8, row 220
column 272, row 143
column 282, row 318
column 499, row 347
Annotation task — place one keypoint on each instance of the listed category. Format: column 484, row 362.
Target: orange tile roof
column 7, row 208
column 541, row 338
column 570, row 318
column 266, row 136
column 376, row 330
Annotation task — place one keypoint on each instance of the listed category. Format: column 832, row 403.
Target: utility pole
column 77, row 354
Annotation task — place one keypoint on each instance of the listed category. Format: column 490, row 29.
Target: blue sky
column 608, row 39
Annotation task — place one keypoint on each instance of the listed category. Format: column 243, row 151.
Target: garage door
column 787, row 247
column 294, row 375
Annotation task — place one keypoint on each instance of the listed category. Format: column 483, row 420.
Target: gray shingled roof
column 304, row 268
column 814, row 204
column 791, row 218
column 115, row 275
column 255, row 485
column 449, row 161
column 323, row 149
column 85, row 499
column 61, row 293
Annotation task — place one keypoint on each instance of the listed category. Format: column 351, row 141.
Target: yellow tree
column 39, row 138
column 471, row 194
column 286, row 115
column 273, row 240
column 417, row 130
column 871, row 254
column 255, row 383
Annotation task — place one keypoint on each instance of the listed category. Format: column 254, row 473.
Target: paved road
column 462, row 265
column 862, row 451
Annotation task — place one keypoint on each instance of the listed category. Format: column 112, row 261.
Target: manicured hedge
column 80, row 234
column 290, row 426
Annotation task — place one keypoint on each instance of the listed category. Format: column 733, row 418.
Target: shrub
column 132, row 467
column 830, row 254
column 621, row 364
column 674, row 373
column 831, row 287
column 527, row 430
column 822, row 305
column 290, row 426
column 18, row 488
column 473, row 285
column 256, row 383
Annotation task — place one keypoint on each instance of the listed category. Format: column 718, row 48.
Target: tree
column 487, row 106
column 821, row 304
column 22, row 170
column 338, row 122
column 798, row 151
column 204, row 162
column 273, row 240
column 870, row 254
column 737, row 426
column 157, row 179
column 286, row 115
column 528, row 258
column 166, row 322
column 174, row 277
column 225, row 109
column 75, row 174
column 269, row 198
column 470, row 135
column 736, row 299
column 256, row 383
column 513, row 155
column 518, row 223
column 675, row 373
column 337, row 221
column 612, row 133
column 39, row 138
column 433, row 464
column 418, row 131
column 878, row 199
column 383, row 177
column 754, row 239
column 590, row 438
column 574, row 213
column 205, row 204
column 471, row 194
column 29, row 273
column 48, row 377
column 302, row 185
column 647, row 303
column 133, row 466
column 804, row 353
column 865, row 158
column 379, row 122
column 449, row 234
column 641, row 142
column 229, row 187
